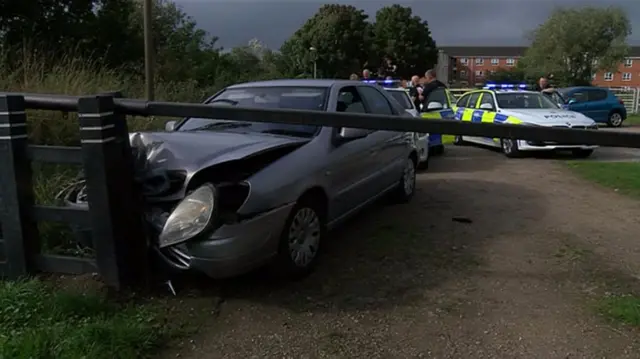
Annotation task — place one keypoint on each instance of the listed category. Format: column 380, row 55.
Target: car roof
column 582, row 88
column 298, row 83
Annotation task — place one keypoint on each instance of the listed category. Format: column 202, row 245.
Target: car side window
column 377, row 102
column 438, row 95
column 578, row 96
column 487, row 98
column 463, row 101
column 596, row 95
column 473, row 100
column 349, row 100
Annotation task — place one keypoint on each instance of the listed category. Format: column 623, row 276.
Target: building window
column 495, row 61
column 463, row 73
column 479, row 61
column 626, row 76
column 464, row 60
column 511, row 61
column 608, row 76
column 628, row 62
column 479, row 73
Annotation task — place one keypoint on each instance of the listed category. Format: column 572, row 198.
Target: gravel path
column 494, row 258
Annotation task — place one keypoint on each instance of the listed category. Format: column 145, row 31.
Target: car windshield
column 525, row 100
column 298, row 98
column 403, row 99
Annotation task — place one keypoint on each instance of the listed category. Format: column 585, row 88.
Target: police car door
column 471, row 113
column 485, row 113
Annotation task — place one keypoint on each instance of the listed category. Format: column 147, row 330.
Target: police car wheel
column 510, row 148
column 407, row 184
column 458, row 141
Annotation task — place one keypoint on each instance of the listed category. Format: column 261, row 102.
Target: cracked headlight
column 192, row 216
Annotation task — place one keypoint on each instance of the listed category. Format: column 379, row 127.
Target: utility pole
column 314, row 54
column 148, row 49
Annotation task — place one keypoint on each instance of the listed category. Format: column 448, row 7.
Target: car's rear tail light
column 621, row 102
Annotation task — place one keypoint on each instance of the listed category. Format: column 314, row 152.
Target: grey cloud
column 452, row 22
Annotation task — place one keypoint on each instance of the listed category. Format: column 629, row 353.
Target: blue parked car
column 599, row 103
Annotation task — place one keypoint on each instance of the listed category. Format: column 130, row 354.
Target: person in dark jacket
column 431, row 83
column 415, row 91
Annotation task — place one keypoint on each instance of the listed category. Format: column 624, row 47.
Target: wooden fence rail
column 115, row 206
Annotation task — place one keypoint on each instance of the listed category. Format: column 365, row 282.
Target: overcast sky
column 452, row 22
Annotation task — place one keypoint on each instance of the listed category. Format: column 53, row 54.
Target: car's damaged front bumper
column 232, row 249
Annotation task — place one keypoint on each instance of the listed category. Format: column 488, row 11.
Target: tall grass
column 71, row 75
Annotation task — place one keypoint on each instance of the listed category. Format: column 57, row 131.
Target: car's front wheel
column 300, row 239
column 510, row 148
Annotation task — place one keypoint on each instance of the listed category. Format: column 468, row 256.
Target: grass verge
column 621, row 176
column 625, row 309
column 40, row 321
column 633, row 120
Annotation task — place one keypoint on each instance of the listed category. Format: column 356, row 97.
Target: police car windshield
column 525, row 100
column 402, row 98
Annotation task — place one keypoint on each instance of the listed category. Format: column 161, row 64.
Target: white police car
column 512, row 104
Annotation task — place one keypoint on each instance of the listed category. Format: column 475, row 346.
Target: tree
column 511, row 75
column 575, row 43
column 341, row 36
column 404, row 38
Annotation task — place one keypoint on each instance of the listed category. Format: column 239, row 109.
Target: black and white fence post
column 116, row 214
column 18, row 229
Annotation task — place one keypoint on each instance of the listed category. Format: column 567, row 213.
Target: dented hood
column 192, row 151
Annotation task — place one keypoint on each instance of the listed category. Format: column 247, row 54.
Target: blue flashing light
column 494, row 86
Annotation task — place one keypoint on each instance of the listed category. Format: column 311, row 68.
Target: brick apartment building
column 471, row 64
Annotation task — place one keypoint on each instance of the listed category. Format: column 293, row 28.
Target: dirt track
column 519, row 281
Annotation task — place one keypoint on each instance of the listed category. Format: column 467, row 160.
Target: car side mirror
column 349, row 134
column 434, row 106
column 487, row 106
column 170, row 126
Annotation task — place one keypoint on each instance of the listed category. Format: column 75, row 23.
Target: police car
column 401, row 95
column 513, row 104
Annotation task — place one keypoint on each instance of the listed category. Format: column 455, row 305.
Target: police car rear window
column 524, row 100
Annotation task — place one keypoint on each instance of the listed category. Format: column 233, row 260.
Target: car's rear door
column 388, row 147
column 597, row 104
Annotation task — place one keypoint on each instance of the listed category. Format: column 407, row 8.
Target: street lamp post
column 314, row 53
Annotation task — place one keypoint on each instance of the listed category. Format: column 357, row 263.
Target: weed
column 625, row 309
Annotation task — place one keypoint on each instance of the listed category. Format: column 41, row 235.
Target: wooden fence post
column 19, row 230
column 115, row 211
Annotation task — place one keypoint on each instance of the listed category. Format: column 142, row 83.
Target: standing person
column 544, row 86
column 415, row 91
column 431, row 83
column 354, row 77
column 366, row 74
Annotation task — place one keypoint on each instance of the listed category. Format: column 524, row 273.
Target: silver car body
column 276, row 170
column 422, row 139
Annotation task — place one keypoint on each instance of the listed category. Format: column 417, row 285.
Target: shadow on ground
column 392, row 255
column 465, row 159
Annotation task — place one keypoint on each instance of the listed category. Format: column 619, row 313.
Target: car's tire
column 301, row 238
column 458, row 141
column 510, row 148
column 406, row 187
column 424, row 165
column 615, row 119
column 582, row 153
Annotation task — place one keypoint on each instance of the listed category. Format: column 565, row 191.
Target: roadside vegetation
column 633, row 120
column 623, row 177
column 624, row 309
column 38, row 320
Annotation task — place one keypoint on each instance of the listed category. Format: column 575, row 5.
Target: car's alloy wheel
column 615, row 119
column 510, row 147
column 304, row 237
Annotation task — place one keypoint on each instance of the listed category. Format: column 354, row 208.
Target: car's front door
column 349, row 171
column 578, row 102
column 389, row 147
column 597, row 104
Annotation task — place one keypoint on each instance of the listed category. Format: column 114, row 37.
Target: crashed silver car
column 225, row 197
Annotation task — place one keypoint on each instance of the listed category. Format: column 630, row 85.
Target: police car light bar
column 492, row 86
column 383, row 82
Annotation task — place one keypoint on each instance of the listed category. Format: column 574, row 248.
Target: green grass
column 625, row 309
column 39, row 321
column 633, row 120
column 621, row 176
